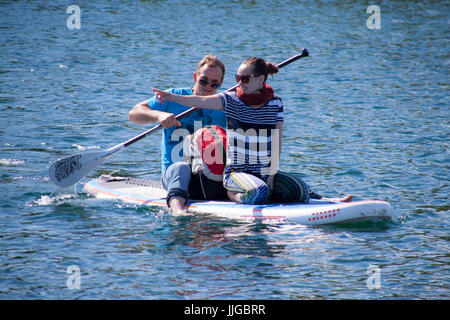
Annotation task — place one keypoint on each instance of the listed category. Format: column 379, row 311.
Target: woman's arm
column 201, row 102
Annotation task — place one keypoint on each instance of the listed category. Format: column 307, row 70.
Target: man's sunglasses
column 245, row 78
column 205, row 82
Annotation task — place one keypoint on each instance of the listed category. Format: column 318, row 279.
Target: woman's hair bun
column 271, row 68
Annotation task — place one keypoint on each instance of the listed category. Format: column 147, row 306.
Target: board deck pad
column 316, row 212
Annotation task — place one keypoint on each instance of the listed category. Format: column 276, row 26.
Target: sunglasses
column 245, row 78
column 205, row 82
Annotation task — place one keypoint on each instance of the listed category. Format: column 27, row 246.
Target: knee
column 304, row 191
column 257, row 195
column 181, row 167
column 245, row 188
column 177, row 175
column 175, row 171
column 289, row 188
column 176, row 180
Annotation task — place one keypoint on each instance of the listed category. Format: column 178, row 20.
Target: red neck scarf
column 256, row 99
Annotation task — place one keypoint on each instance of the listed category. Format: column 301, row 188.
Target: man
column 176, row 174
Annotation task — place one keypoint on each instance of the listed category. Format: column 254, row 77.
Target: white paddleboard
column 316, row 212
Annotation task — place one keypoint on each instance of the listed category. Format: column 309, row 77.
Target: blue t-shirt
column 172, row 138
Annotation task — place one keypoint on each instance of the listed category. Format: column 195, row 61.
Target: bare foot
column 347, row 198
column 176, row 205
column 178, row 213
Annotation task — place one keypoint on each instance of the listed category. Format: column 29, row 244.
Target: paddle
column 67, row 171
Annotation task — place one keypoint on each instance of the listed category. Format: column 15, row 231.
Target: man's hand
column 167, row 120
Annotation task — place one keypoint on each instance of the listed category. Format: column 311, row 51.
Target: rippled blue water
column 367, row 113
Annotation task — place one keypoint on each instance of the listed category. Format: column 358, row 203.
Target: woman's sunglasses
column 205, row 82
column 245, row 78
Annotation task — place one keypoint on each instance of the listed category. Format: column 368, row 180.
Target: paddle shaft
column 190, row 111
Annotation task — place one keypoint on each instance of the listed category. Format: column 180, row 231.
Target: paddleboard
column 316, row 212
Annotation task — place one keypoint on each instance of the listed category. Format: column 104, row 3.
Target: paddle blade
column 67, row 171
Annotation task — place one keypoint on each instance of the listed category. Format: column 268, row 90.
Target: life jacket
column 205, row 152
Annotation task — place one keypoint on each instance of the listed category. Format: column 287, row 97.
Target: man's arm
column 193, row 101
column 143, row 114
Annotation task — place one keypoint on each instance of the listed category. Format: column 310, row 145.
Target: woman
column 254, row 122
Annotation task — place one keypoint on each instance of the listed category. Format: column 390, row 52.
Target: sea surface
column 366, row 114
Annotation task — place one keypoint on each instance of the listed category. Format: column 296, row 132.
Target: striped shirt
column 251, row 135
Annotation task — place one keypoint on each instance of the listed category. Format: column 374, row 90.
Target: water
column 367, row 113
